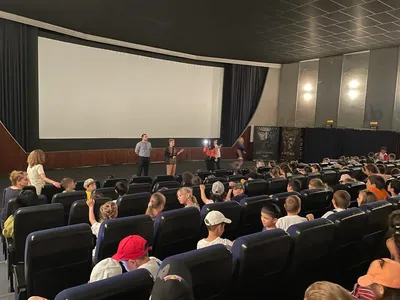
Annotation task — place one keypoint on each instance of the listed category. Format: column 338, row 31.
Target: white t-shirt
column 152, row 266
column 203, row 243
column 287, row 221
column 96, row 228
column 34, row 176
column 327, row 214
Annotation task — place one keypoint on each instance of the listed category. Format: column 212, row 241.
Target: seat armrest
column 19, row 275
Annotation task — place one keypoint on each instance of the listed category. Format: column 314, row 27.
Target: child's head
column 68, row 184
column 133, row 251
column 187, row 178
column 376, row 181
column 324, row 290
column 157, row 201
column 370, row 169
column 341, row 199
column 371, row 154
column 383, row 277
column 315, row 168
column 307, row 169
column 121, row 188
column 392, row 156
column 90, row 185
column 394, row 186
column 237, row 189
column 108, row 210
column 293, row 205
column 196, row 180
column 365, row 196
column 36, row 157
column 269, row 215
column 185, row 196
column 215, row 222
column 294, row 185
column 286, row 169
column 275, row 172
column 19, row 179
column 217, row 192
column 394, row 227
column 346, row 178
column 316, row 183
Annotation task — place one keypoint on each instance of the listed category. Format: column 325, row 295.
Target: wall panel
column 287, row 95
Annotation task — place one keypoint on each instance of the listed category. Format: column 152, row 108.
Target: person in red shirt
column 382, row 155
column 211, row 155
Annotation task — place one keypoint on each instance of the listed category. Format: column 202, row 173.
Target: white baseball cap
column 88, row 182
column 218, row 188
column 216, row 217
column 105, row 269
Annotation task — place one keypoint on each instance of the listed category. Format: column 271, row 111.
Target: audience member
column 36, row 175
column 370, row 169
column 271, row 164
column 382, row 281
column 25, row 198
column 324, row 290
column 316, row 183
column 108, row 210
column 293, row 207
column 294, row 185
column 315, row 168
column 121, row 188
column 286, row 171
column 382, row 155
column 371, row 158
column 394, row 187
column 156, row 205
column 196, row 180
column 305, row 170
column 217, row 193
column 326, row 160
column 365, row 196
column 395, row 172
column 260, row 163
column 215, row 222
column 393, row 242
column 104, row 269
column 187, row 179
column 19, row 180
column 186, row 198
column 270, row 213
column 346, row 178
column 275, row 172
column 376, row 184
column 133, row 253
column 392, row 157
column 89, row 185
column 68, row 184
column 341, row 201
column 237, row 190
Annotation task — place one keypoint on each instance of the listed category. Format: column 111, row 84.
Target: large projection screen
column 87, row 92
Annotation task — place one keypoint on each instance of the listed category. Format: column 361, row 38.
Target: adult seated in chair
column 237, row 190
column 19, row 180
column 156, row 205
column 25, row 198
column 376, row 184
column 121, row 188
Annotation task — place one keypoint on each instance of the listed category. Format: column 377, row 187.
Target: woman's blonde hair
column 187, row 190
column 317, row 183
column 108, row 210
column 36, row 157
column 327, row 291
column 16, row 176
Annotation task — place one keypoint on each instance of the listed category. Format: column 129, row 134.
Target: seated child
column 365, row 196
column 325, row 290
column 121, row 188
column 89, row 185
column 294, row 185
column 293, row 207
column 341, row 201
column 269, row 216
column 68, row 185
column 237, row 190
column 215, row 222
column 394, row 187
column 133, row 253
column 376, row 184
column 108, row 210
column 106, row 268
column 156, row 205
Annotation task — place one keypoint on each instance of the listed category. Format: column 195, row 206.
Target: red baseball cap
column 131, row 247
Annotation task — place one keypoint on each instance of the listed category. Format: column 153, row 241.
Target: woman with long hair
column 171, row 154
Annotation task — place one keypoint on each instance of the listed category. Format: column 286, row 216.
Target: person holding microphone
column 211, row 152
column 170, row 157
column 143, row 149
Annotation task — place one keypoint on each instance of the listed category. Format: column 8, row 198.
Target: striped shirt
column 363, row 293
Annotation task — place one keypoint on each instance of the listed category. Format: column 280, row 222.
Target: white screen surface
column 87, row 92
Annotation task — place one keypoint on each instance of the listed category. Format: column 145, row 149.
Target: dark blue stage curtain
column 14, row 83
column 243, row 86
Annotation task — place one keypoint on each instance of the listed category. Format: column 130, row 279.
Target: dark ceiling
column 275, row 31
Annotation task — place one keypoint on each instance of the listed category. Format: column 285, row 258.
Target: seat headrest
column 119, row 222
column 285, row 195
column 313, row 191
column 75, row 194
column 345, row 214
column 208, row 254
column 254, row 199
column 369, row 207
column 260, row 238
column 188, row 212
column 136, row 196
column 221, row 205
column 310, row 226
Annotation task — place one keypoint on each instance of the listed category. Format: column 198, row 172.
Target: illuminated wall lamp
column 353, row 94
column 307, row 96
column 308, row 87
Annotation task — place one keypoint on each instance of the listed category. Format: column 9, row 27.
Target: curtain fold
column 243, row 86
column 14, row 79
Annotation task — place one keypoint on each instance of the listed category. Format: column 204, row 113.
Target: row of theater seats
column 338, row 248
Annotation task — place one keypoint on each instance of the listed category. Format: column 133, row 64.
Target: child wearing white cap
column 217, row 193
column 106, row 268
column 215, row 222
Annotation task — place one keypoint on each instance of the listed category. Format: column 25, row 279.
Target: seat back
column 133, row 205
column 113, row 231
column 108, row 192
column 276, row 185
column 160, row 178
column 395, row 202
column 354, row 188
column 251, row 211
column 171, row 199
column 11, row 207
column 259, row 263
column 136, row 188
column 34, row 218
column 329, row 177
column 312, row 176
column 356, row 172
column 231, row 210
column 302, row 179
column 141, row 179
column 264, row 170
column 79, row 212
column 214, row 179
column 56, row 259
column 67, row 199
column 203, row 174
column 137, row 284
column 79, row 185
column 208, row 281
column 111, row 182
column 315, row 202
column 50, row 190
column 166, row 184
column 235, row 178
column 176, row 231
column 223, row 172
column 280, row 200
column 256, row 187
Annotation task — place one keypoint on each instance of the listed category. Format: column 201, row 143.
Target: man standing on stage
column 143, row 149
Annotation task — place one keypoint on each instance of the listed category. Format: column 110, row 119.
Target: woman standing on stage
column 217, row 154
column 170, row 157
column 211, row 153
